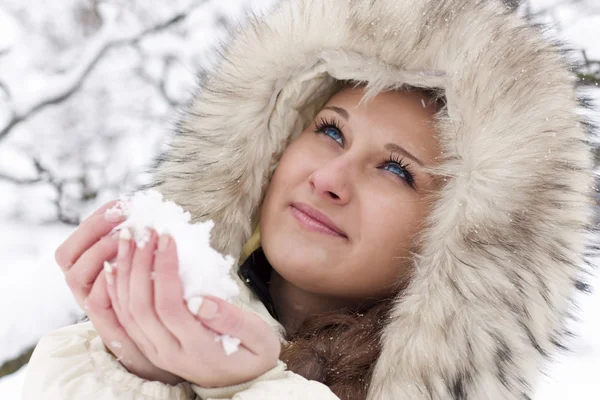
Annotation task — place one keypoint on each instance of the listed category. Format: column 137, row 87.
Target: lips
column 316, row 220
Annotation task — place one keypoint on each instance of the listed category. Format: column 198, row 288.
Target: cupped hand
column 81, row 257
column 147, row 288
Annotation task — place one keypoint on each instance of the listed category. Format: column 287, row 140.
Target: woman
column 408, row 246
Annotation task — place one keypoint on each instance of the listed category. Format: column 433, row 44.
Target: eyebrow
column 391, row 147
column 339, row 110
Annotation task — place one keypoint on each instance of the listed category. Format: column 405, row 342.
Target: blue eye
column 335, row 135
column 330, row 128
column 396, row 165
column 396, row 169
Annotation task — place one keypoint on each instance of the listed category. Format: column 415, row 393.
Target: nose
column 330, row 182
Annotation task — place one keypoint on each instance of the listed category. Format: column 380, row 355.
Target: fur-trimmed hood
column 505, row 241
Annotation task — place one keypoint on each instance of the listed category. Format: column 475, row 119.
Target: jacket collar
column 255, row 272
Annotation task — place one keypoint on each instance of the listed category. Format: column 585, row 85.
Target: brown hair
column 340, row 349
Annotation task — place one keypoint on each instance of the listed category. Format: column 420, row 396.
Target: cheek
column 294, row 168
column 389, row 223
column 290, row 173
column 388, row 229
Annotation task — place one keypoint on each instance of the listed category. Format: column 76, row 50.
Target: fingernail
column 125, row 234
column 108, row 272
column 163, row 242
column 114, row 215
column 108, row 267
column 125, row 237
column 194, row 304
column 142, row 237
column 208, row 309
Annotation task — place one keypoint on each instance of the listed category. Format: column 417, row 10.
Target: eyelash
column 323, row 124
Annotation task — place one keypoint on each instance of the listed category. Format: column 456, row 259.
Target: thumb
column 227, row 319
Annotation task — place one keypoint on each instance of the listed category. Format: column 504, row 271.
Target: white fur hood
column 507, row 237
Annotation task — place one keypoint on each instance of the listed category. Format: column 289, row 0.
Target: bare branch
column 587, row 61
column 159, row 84
column 5, row 88
column 589, row 78
column 18, row 181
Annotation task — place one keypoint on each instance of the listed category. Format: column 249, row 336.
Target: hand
column 147, row 288
column 81, row 258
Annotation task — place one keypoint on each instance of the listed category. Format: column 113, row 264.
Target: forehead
column 414, row 102
column 402, row 117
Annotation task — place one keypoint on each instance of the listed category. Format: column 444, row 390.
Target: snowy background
column 88, row 92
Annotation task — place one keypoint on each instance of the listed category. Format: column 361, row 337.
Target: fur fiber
column 505, row 243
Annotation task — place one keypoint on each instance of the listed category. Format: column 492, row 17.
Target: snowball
column 202, row 269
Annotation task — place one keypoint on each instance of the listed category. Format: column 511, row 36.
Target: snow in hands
column 202, row 269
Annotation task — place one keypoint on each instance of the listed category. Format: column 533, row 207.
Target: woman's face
column 349, row 195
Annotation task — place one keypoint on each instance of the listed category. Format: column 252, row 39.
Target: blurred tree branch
column 45, row 175
column 160, row 83
column 66, row 84
column 58, row 88
column 588, row 77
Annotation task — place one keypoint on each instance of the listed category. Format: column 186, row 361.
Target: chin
column 297, row 257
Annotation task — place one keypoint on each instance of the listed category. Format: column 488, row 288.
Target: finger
column 98, row 302
column 124, row 258
column 111, row 291
column 225, row 318
column 140, row 284
column 102, row 209
column 146, row 325
column 123, row 315
column 82, row 275
column 106, row 323
column 107, row 288
column 88, row 233
column 168, row 291
column 111, row 331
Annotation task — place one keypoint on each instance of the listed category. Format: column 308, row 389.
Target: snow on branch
column 60, row 87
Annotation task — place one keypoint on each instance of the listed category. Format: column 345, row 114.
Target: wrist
column 157, row 375
column 223, row 380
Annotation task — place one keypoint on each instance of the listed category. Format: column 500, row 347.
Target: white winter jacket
column 505, row 243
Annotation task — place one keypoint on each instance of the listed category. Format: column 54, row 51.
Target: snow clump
column 202, row 269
